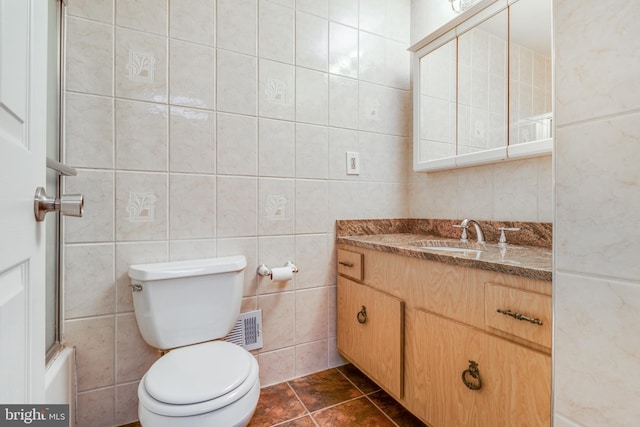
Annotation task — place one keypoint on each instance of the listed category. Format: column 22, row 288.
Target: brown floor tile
column 360, row 412
column 299, row 422
column 359, row 379
column 136, row 424
column 394, row 410
column 323, row 389
column 277, row 404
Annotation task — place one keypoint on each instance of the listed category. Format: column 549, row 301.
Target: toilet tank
column 187, row 302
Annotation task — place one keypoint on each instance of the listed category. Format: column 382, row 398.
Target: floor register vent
column 247, row 332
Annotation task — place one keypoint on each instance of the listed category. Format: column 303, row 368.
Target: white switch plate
column 353, row 163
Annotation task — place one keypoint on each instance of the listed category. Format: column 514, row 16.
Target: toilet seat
column 198, row 379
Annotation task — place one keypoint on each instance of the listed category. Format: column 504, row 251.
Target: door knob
column 68, row 204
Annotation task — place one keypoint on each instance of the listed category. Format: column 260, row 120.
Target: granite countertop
column 534, row 262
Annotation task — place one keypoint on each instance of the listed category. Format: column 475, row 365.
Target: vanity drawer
column 520, row 313
column 351, row 264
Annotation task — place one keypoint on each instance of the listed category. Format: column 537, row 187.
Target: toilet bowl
column 200, row 383
column 210, row 384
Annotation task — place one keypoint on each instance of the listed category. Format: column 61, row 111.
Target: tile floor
column 336, row 397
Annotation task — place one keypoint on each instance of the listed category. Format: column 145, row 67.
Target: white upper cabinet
column 482, row 91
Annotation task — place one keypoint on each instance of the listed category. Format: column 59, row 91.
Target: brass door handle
column 475, row 383
column 362, row 315
column 346, row 264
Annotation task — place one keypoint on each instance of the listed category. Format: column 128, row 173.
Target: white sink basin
column 452, row 247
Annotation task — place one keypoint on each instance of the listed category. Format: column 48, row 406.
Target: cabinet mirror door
column 482, row 91
column 437, row 105
column 530, row 101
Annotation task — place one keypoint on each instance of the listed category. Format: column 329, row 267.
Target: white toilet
column 202, row 383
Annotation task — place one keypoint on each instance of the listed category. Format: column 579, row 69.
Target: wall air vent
column 247, row 332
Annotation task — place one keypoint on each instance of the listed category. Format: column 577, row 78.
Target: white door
column 23, row 79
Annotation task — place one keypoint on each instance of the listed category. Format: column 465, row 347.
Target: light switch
column 353, row 163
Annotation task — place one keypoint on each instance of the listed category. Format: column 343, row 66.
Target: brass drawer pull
column 474, row 373
column 362, row 315
column 346, row 264
column 519, row 316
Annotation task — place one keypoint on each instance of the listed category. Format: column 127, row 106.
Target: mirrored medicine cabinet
column 482, row 87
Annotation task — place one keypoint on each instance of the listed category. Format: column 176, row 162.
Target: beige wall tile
column 126, row 403
column 236, row 89
column 182, row 250
column 89, row 57
column 343, row 49
column 133, row 355
column 311, row 315
column 312, row 150
column 96, row 408
column 312, row 40
column 192, row 131
column 343, row 102
column 237, row 21
column 594, row 351
column 276, row 366
column 275, row 252
column 278, row 320
column 277, row 90
column 312, row 101
column 97, row 10
column 277, row 31
column 607, row 85
column 192, row 75
column 237, row 144
column 141, row 206
column 247, row 246
column 276, row 206
column 149, row 16
column 128, row 254
column 141, row 66
column 89, row 288
column 276, row 148
column 314, row 7
column 589, row 174
column 88, row 131
column 312, row 202
column 193, row 20
column 97, row 221
column 312, row 259
column 311, row 357
column 236, row 208
column 141, row 136
column 193, row 206
column 94, row 339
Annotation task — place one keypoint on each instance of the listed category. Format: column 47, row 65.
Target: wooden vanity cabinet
column 370, row 333
column 514, row 382
column 431, row 320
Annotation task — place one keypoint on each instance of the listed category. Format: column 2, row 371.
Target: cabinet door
column 371, row 341
column 515, row 381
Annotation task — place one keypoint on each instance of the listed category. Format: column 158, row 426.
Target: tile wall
column 207, row 128
column 597, row 241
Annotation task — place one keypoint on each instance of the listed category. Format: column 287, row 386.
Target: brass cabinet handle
column 519, row 316
column 346, row 264
column 362, row 315
column 474, row 373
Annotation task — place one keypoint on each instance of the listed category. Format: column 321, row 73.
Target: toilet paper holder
column 264, row 270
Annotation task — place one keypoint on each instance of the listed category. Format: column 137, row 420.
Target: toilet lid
column 198, row 373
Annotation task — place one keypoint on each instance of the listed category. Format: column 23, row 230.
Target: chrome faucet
column 465, row 224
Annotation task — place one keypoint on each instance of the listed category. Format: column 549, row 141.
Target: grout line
column 380, row 409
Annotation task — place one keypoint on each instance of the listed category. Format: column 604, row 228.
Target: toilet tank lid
column 177, row 269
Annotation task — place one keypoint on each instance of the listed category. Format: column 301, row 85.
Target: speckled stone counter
column 406, row 236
